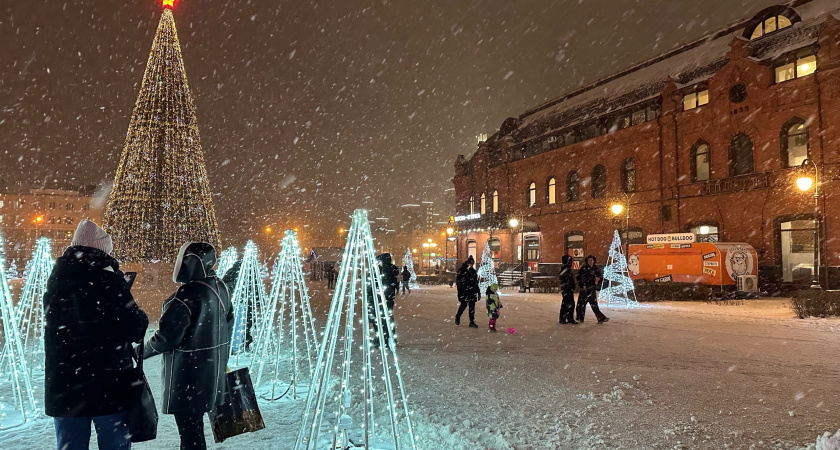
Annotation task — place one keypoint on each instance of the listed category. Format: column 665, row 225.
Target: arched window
column 472, row 205
column 495, row 201
column 794, row 142
column 740, row 155
column 628, row 175
column 770, row 25
column 572, row 187
column 483, row 204
column 701, row 162
column 599, row 181
column 532, row 194
column 551, row 191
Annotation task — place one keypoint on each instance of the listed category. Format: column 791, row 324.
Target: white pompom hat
column 89, row 234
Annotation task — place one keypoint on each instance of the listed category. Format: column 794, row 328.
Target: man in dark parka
column 567, row 290
column 194, row 339
column 589, row 279
column 468, row 290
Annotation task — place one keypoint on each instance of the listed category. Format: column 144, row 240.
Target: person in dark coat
column 91, row 320
column 406, row 279
column 466, row 282
column 194, row 339
column 329, row 273
column 589, row 279
column 389, row 274
column 567, row 290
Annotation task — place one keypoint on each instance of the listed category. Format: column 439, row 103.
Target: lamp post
column 617, row 209
column 520, row 222
column 804, row 183
column 449, row 237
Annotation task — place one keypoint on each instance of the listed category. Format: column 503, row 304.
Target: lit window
column 802, row 67
column 483, row 204
column 770, row 25
column 638, row 117
column 695, row 99
column 532, row 194
column 495, row 201
column 794, row 144
column 551, row 196
column 472, row 205
column 705, row 232
column 702, row 163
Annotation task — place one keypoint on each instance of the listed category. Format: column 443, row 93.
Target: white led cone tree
column 286, row 353
column 30, row 308
column 487, row 270
column 357, row 397
column 18, row 403
column 617, row 286
column 249, row 302
column 226, row 261
column 408, row 261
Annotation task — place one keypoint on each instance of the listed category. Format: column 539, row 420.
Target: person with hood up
column 194, row 339
column 494, row 304
column 466, row 281
column 406, row 279
column 91, row 320
column 388, row 274
column 567, row 290
column 589, row 279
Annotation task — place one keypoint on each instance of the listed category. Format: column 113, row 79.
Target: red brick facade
column 746, row 208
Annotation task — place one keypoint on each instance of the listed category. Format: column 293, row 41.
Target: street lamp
column 449, row 237
column 514, row 222
column 804, row 183
column 617, row 209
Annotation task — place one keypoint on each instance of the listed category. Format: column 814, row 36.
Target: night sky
column 309, row 110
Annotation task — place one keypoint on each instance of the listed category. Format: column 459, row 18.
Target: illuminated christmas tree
column 248, row 301
column 357, row 397
column 18, row 402
column 285, row 353
column 226, row 261
column 487, row 270
column 30, row 308
column 408, row 261
column 161, row 196
column 12, row 272
column 617, row 287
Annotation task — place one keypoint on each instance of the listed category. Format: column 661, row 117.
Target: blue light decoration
column 12, row 272
column 357, row 397
column 30, row 308
column 226, row 260
column 18, row 403
column 248, row 297
column 287, row 347
column 408, row 261
column 617, row 286
column 487, row 270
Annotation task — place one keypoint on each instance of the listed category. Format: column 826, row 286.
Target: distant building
column 709, row 138
column 51, row 213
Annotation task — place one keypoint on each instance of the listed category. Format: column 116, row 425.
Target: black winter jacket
column 567, row 279
column 194, row 335
column 90, row 320
column 589, row 277
column 467, row 283
column 406, row 275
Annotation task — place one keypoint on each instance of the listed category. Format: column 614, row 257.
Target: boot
column 473, row 325
column 457, row 321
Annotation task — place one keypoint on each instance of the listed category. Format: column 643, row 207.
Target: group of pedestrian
column 92, row 324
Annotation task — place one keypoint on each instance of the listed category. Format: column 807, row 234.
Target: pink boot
column 492, row 324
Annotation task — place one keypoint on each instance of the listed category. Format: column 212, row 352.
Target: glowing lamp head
column 704, row 229
column 617, row 209
column 168, row 4
column 268, row 229
column 514, row 223
column 804, row 183
column 450, row 230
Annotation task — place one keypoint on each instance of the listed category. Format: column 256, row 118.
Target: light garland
column 12, row 272
column 617, row 286
column 161, row 195
column 336, row 383
column 248, row 294
column 289, row 327
column 487, row 270
column 226, row 260
column 18, row 403
column 30, row 308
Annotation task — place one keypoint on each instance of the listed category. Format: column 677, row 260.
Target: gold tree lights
column 161, row 195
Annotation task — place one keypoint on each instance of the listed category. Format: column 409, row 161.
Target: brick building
column 52, row 213
column 708, row 138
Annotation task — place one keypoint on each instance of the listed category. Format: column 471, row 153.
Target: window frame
column 784, row 141
column 572, row 186
column 495, row 200
column 625, row 176
column 551, row 191
column 598, row 185
column 694, row 154
column 531, row 196
column 472, row 204
column 705, row 223
column 696, row 95
column 482, row 204
column 795, row 62
column 732, row 163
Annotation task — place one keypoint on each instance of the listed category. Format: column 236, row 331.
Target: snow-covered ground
column 668, row 375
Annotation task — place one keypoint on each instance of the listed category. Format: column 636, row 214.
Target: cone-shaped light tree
column 248, row 301
column 18, row 402
column 487, row 270
column 408, row 261
column 30, row 308
column 161, row 195
column 357, row 397
column 617, row 286
column 286, row 353
column 226, row 261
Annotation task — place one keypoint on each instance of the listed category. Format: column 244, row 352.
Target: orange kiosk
column 665, row 259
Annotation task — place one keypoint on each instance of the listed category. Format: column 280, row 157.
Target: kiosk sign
column 674, row 238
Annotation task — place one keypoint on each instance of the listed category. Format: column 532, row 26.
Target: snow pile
column 826, row 442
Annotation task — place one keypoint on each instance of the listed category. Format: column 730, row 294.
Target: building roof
column 686, row 65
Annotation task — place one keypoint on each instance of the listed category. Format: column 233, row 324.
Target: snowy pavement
column 667, row 375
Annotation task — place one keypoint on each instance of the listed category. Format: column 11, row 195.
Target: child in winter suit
column 493, row 304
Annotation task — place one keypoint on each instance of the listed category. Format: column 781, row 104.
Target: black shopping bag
column 142, row 415
column 240, row 413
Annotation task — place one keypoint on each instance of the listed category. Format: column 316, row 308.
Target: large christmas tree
column 161, row 196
